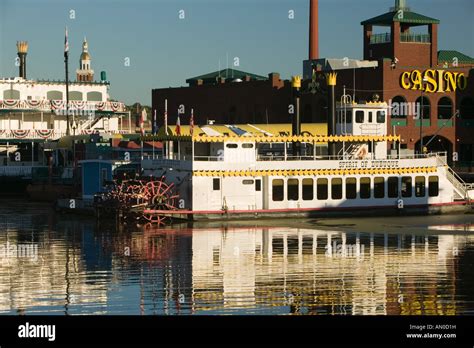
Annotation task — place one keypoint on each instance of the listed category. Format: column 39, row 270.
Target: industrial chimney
column 22, row 47
column 313, row 30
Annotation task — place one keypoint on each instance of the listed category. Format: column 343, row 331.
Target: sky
column 164, row 50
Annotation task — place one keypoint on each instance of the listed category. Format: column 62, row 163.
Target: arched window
column 11, row 94
column 94, row 96
column 322, row 111
column 399, row 107
column 467, row 108
column 54, row 95
column 307, row 114
column 423, row 107
column 75, row 95
column 445, row 108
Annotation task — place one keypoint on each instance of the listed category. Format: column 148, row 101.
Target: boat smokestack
column 313, row 30
column 331, row 79
column 22, row 47
column 296, row 122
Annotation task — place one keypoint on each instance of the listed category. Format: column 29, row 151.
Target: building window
column 406, row 186
column 351, row 188
column 423, row 106
column 393, row 187
column 11, row 94
column 247, row 182
column 420, row 186
column 322, row 189
column 359, row 116
column 370, row 116
column 216, row 184
column 445, row 108
column 379, row 187
column 258, row 185
column 308, row 189
column 399, row 107
column 94, row 96
column 75, row 95
column 364, row 188
column 292, row 188
column 467, row 108
column 336, row 188
column 54, row 95
column 433, row 186
column 277, row 190
column 380, row 116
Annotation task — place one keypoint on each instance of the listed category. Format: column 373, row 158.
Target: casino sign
column 432, row 81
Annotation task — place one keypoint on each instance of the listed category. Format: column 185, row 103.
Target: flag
column 154, row 129
column 166, row 116
column 66, row 44
column 191, row 123
column 178, row 126
column 142, row 121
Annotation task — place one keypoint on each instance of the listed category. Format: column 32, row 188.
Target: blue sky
column 165, row 50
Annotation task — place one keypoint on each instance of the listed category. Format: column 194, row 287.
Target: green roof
column 228, row 74
column 407, row 17
column 449, row 56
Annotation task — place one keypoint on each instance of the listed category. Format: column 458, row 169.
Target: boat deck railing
column 309, row 157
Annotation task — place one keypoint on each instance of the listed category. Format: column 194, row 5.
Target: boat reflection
column 82, row 268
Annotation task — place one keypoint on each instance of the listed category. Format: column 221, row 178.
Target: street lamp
column 74, row 126
column 421, row 114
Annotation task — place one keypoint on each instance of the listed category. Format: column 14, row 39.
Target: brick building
column 400, row 49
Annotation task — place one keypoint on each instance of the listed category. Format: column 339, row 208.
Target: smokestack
column 313, row 30
column 22, row 47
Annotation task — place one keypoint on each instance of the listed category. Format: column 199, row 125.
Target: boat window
column 379, row 187
column 364, row 188
column 247, row 182
column 216, row 184
column 393, row 187
column 336, row 188
column 247, row 146
column 351, row 188
column 292, row 189
column 380, row 116
column 370, row 116
column 232, row 146
column 308, row 189
column 348, row 116
column 104, row 176
column 258, row 185
column 322, row 189
column 433, row 186
column 420, row 186
column 406, row 186
column 360, row 116
column 277, row 190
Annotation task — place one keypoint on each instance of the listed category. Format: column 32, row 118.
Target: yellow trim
column 296, row 81
column 331, row 79
column 318, row 172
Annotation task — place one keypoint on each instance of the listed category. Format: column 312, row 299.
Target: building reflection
column 86, row 268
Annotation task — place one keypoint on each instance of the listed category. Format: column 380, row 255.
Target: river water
column 62, row 264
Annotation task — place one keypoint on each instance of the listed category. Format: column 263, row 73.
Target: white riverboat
column 253, row 171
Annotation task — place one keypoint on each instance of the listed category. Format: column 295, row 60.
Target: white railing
column 19, row 171
column 461, row 187
column 372, row 129
column 50, row 134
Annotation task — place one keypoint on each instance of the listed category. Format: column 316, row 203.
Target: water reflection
column 83, row 268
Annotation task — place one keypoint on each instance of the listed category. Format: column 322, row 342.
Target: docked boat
column 352, row 167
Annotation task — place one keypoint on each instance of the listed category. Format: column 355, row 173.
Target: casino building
column 431, row 91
